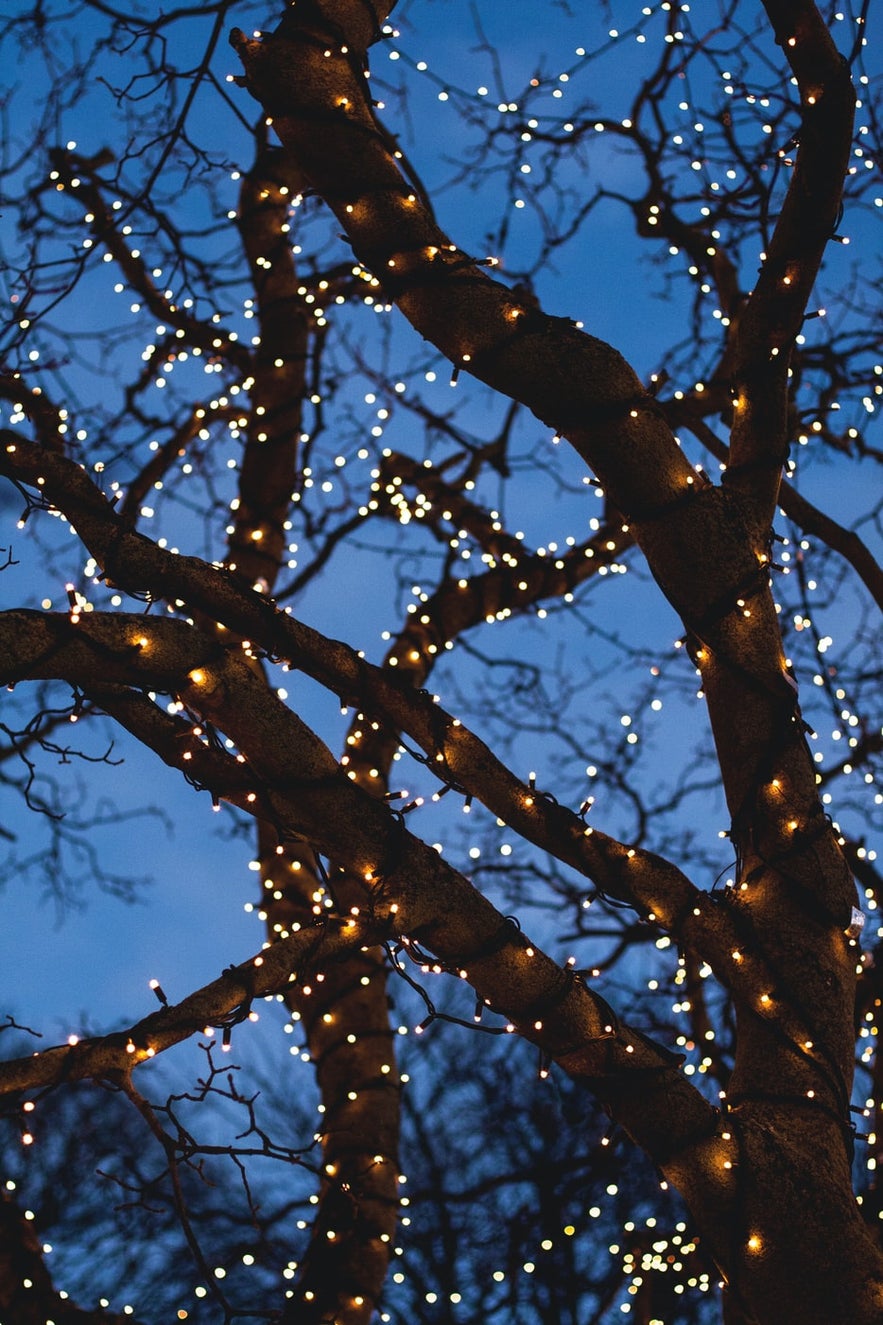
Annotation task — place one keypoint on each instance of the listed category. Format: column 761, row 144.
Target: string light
column 419, row 509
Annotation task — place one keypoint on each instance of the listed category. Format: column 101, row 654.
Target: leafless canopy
column 330, row 373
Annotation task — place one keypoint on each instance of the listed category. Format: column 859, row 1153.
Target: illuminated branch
column 183, row 744
column 79, row 175
column 452, row 751
column 48, row 419
column 807, row 222
column 344, row 1014
column 414, row 895
column 522, row 580
column 301, row 784
column 268, row 470
column 113, row 1056
column 570, row 379
column 638, row 877
column 348, row 893
column 577, row 383
column 371, row 746
column 574, row 382
column 413, row 892
column 809, row 519
column 707, row 547
column 445, row 498
column 171, row 450
column 345, row 1017
column 27, row 1293
column 318, row 801
column 505, row 590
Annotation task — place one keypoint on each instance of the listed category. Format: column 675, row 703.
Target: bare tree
column 228, row 478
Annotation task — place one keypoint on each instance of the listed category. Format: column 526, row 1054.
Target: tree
column 186, row 498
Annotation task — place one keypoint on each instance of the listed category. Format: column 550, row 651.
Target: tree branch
column 775, row 309
column 113, row 1056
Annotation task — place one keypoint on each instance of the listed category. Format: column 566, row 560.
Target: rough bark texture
column 767, row 1174
column 787, row 1109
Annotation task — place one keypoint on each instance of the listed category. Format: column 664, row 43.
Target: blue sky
column 92, row 965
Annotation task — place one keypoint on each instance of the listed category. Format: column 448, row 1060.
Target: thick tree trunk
column 770, row 1189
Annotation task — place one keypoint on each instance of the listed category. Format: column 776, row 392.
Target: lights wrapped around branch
column 856, row 924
